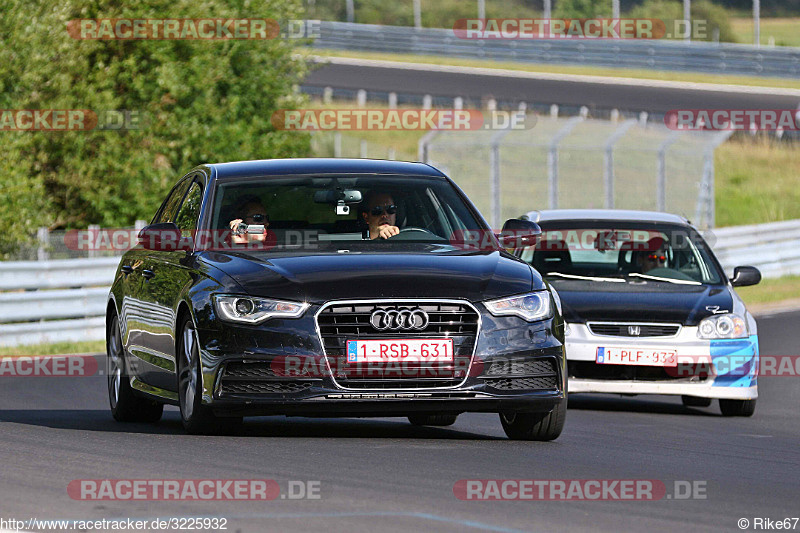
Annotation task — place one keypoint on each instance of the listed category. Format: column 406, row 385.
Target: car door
column 150, row 321
column 167, row 274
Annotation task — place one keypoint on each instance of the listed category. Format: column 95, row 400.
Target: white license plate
column 636, row 356
column 411, row 350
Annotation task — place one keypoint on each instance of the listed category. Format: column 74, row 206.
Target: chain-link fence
column 68, row 244
column 579, row 162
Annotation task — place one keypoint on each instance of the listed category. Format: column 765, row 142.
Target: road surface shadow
column 274, row 426
column 664, row 405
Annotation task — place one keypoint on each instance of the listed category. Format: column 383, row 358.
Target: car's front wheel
column 197, row 418
column 126, row 406
column 737, row 407
column 535, row 426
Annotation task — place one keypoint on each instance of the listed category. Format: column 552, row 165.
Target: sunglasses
column 378, row 210
column 656, row 257
column 257, row 218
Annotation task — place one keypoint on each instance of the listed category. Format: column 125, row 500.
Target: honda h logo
column 634, row 331
column 399, row 319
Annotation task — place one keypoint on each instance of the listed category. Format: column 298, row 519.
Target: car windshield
column 331, row 212
column 623, row 253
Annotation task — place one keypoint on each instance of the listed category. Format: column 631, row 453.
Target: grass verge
column 58, row 348
column 782, row 30
column 696, row 77
column 772, row 291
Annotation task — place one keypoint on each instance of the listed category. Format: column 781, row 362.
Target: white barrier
column 64, row 300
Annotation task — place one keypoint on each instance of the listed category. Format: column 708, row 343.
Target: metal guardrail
column 722, row 58
column 774, row 248
column 64, row 300
column 54, row 301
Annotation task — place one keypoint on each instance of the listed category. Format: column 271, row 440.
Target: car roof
column 547, row 215
column 305, row 166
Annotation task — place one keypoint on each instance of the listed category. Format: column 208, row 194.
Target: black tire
column 125, row 405
column 423, row 419
column 737, row 407
column 197, row 418
column 535, row 426
column 695, row 401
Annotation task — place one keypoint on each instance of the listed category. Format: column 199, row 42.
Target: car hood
column 320, row 278
column 659, row 302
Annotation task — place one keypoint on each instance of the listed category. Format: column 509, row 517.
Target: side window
column 187, row 215
column 172, row 202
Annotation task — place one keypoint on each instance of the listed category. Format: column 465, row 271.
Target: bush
column 672, row 10
column 202, row 101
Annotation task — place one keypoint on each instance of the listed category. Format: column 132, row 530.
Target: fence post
column 327, row 95
column 337, row 144
column 393, row 100
column 661, row 170
column 94, row 231
column 43, row 236
column 363, row 149
column 423, row 150
column 552, row 159
column 705, row 200
column 494, row 178
column 361, row 98
column 608, row 160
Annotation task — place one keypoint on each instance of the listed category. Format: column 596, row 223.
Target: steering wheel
column 413, row 232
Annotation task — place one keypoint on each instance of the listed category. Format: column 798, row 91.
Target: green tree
column 200, row 101
column 716, row 17
column 582, row 9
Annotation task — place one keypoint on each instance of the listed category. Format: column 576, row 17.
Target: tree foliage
column 200, row 101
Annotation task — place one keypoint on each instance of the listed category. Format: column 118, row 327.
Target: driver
column 654, row 257
column 380, row 213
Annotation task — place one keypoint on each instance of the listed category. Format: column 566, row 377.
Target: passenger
column 380, row 213
column 251, row 211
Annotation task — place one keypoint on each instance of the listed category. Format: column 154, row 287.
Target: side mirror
column 163, row 237
column 744, row 276
column 518, row 233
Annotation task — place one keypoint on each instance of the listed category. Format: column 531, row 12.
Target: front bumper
column 732, row 374
column 259, row 388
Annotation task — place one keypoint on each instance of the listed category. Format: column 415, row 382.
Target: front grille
column 531, row 383
column 628, row 329
column 263, row 387
column 592, row 370
column 341, row 322
column 521, row 366
column 522, row 374
column 259, row 377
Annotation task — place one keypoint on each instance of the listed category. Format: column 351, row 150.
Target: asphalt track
column 386, row 475
column 633, row 96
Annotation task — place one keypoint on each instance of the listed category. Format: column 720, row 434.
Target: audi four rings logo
column 399, row 319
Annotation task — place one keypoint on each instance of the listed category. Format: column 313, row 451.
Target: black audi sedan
column 332, row 288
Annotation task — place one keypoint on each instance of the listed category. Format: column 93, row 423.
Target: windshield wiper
column 588, row 278
column 668, row 280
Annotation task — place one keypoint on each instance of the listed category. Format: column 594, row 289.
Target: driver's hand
column 387, row 231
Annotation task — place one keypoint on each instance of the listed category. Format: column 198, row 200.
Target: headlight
column 727, row 326
column 531, row 306
column 249, row 310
